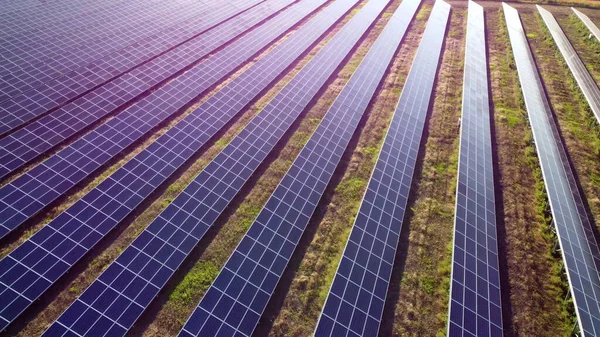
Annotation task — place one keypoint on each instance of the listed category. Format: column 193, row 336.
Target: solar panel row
column 354, row 305
column 28, row 64
column 585, row 81
column 143, row 268
column 475, row 305
column 236, row 299
column 588, row 23
column 34, row 190
column 34, row 103
column 30, row 269
column 574, row 230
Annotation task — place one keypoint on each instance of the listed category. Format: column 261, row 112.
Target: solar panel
column 588, row 23
column 160, row 249
column 79, row 228
column 37, row 188
column 236, row 299
column 35, row 60
column 354, row 305
column 475, row 307
column 52, row 94
column 582, row 76
column 573, row 227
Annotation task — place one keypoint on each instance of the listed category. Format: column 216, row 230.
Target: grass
column 332, row 223
column 535, row 288
column 423, row 295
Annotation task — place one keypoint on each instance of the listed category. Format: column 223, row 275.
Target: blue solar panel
column 161, row 248
column 588, row 23
column 475, row 306
column 79, row 228
column 354, row 305
column 51, row 53
column 582, row 76
column 44, row 98
column 235, row 301
column 34, row 190
column 573, row 227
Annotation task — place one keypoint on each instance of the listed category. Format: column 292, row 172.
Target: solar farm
column 327, row 168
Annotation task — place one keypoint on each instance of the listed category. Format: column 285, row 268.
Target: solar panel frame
column 359, row 287
column 579, row 248
column 583, row 77
column 69, row 236
column 31, row 192
column 475, row 307
column 261, row 257
column 588, row 23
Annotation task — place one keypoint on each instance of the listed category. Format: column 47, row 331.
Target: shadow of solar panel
column 354, row 305
column 235, row 301
column 50, row 53
column 588, row 23
column 582, row 76
column 172, row 235
column 60, row 244
column 23, row 108
column 574, row 230
column 29, row 193
column 475, row 306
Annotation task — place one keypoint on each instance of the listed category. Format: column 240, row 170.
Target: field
column 533, row 284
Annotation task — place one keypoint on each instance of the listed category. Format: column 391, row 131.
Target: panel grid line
column 475, row 302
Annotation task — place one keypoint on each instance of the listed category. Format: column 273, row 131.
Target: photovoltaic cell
column 236, row 299
column 588, row 23
column 67, row 238
column 65, row 89
column 475, row 307
column 147, row 264
column 574, row 229
column 584, row 79
column 354, row 305
column 29, row 193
